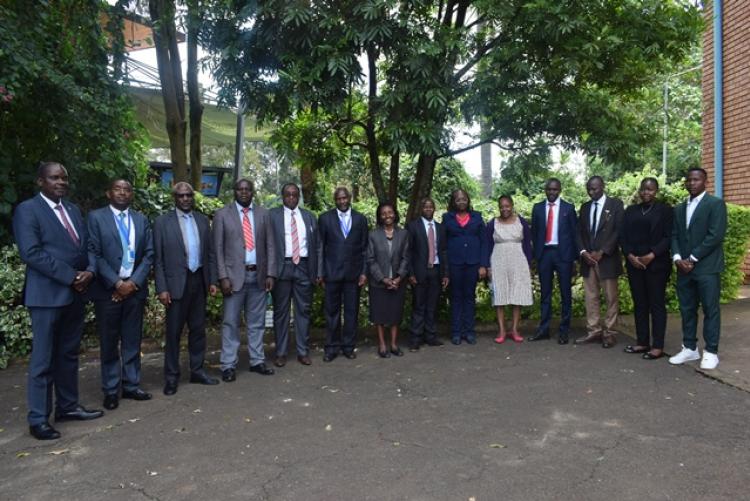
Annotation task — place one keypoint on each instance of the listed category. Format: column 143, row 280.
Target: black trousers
column 338, row 337
column 425, row 296
column 190, row 309
column 648, row 289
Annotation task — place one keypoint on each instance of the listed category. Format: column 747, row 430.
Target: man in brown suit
column 601, row 264
column 245, row 269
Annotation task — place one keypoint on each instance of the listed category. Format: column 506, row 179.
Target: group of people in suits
column 248, row 252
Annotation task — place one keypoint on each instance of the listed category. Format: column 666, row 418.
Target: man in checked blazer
column 296, row 243
column 601, row 263
column 700, row 225
column 245, row 268
column 182, row 246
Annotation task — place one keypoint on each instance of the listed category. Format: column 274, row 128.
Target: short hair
column 181, row 184
column 698, row 169
column 244, row 180
column 452, row 204
column 117, row 180
column 381, row 206
column 552, row 180
column 344, row 189
column 594, row 178
column 286, row 185
column 43, row 167
column 650, row 180
column 425, row 200
column 506, row 197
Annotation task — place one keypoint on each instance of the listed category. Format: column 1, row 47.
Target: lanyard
column 124, row 230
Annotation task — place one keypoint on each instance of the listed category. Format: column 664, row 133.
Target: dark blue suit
column 550, row 259
column 119, row 323
column 466, row 246
column 52, row 262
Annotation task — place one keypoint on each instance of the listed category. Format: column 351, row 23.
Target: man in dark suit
column 553, row 227
column 341, row 270
column 52, row 241
column 601, row 263
column 182, row 246
column 296, row 243
column 121, row 245
column 429, row 274
column 245, row 268
column 700, row 224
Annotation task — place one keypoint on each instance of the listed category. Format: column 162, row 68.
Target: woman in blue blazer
column 464, row 230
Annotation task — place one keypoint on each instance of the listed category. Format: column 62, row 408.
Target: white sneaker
column 685, row 355
column 710, row 360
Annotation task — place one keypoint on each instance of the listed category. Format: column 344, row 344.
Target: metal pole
column 718, row 101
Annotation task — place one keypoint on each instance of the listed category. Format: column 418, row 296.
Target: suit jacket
column 704, row 238
column 466, row 245
column 105, row 249
column 170, row 261
column 490, row 237
column 52, row 258
column 606, row 240
column 378, row 259
column 341, row 259
column 650, row 232
column 311, row 231
column 419, row 249
column 566, row 230
column 229, row 245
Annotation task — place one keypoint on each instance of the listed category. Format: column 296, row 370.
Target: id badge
column 131, row 255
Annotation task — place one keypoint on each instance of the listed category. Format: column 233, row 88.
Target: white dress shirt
column 124, row 272
column 301, row 232
column 52, row 206
column 692, row 204
column 427, row 224
column 555, row 221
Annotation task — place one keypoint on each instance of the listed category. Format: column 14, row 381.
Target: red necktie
column 247, row 230
column 295, row 241
column 550, row 222
column 67, row 225
column 430, row 246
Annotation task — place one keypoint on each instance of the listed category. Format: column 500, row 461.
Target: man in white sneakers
column 697, row 239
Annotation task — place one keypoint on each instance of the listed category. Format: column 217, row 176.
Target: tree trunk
column 422, row 184
column 372, row 141
column 196, row 107
column 307, row 180
column 393, row 178
column 168, row 60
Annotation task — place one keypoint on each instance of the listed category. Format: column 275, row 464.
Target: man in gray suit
column 182, row 244
column 121, row 245
column 296, row 234
column 245, row 269
column 601, row 262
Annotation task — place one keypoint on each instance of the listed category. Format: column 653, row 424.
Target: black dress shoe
column 456, row 340
column 280, row 361
column 78, row 413
column 201, row 378
column 562, row 339
column 329, row 357
column 433, row 342
column 111, row 402
column 350, row 355
column 170, row 387
column 137, row 394
column 262, row 369
column 228, row 375
column 384, row 354
column 471, row 340
column 43, row 431
column 650, row 356
column 538, row 336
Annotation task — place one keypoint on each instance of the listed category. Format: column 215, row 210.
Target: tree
column 525, row 69
column 60, row 100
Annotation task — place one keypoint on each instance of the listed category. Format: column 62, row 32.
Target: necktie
column 430, row 246
column 550, row 222
column 295, row 241
column 192, row 243
column 593, row 221
column 247, row 229
column 344, row 225
column 125, row 241
column 67, row 225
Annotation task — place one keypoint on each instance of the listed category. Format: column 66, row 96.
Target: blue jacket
column 566, row 230
column 466, row 245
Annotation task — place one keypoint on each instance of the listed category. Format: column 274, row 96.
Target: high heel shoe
column 397, row 351
column 384, row 354
column 515, row 336
column 500, row 339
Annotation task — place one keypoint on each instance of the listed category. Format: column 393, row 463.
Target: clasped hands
column 641, row 262
column 684, row 266
column 82, row 280
column 123, row 290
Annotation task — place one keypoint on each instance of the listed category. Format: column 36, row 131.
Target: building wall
column 736, row 47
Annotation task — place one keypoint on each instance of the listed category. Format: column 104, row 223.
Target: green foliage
column 64, row 104
column 735, row 250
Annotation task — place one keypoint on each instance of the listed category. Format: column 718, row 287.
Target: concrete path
column 485, row 422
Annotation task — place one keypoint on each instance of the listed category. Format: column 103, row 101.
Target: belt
column 551, row 247
column 251, row 267
column 289, row 260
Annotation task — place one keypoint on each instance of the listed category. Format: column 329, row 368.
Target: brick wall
column 736, row 46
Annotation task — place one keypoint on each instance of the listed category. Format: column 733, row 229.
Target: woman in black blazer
column 645, row 237
column 387, row 271
column 464, row 230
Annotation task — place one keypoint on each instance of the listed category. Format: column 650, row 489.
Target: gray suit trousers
column 252, row 300
column 294, row 282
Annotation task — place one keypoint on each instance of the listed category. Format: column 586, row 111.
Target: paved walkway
column 484, row 422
